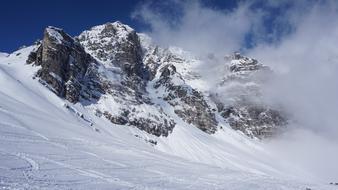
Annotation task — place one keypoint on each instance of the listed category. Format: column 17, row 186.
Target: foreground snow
column 45, row 145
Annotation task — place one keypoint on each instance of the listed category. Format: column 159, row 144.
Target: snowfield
column 48, row 143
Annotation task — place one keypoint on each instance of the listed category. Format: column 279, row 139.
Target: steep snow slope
column 48, row 143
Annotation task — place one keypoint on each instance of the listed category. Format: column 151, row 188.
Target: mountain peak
column 113, row 43
column 56, row 35
column 110, row 29
column 120, row 25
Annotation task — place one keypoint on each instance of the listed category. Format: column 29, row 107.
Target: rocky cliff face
column 123, row 77
column 116, row 44
column 65, row 65
column 117, row 47
column 189, row 104
column 70, row 72
column 169, row 84
column 244, row 110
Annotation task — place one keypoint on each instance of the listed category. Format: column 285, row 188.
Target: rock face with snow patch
column 117, row 47
column 117, row 44
column 169, row 85
column 254, row 120
column 244, row 111
column 64, row 63
column 122, row 77
column 189, row 104
column 115, row 77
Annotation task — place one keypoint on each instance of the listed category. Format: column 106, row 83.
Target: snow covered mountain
column 117, row 74
column 110, row 109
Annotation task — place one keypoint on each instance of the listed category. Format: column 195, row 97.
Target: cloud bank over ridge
column 298, row 39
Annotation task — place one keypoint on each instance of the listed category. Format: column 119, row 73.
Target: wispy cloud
column 307, row 62
column 197, row 28
column 296, row 38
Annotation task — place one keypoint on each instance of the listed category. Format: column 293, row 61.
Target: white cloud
column 305, row 58
column 306, row 85
column 200, row 29
column 307, row 61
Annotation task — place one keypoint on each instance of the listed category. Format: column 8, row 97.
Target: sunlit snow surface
column 43, row 145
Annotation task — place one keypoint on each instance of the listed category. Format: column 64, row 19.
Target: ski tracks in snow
column 88, row 172
column 33, row 163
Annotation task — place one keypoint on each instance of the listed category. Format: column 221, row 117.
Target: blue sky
column 23, row 21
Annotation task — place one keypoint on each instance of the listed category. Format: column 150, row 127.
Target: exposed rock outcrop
column 254, row 120
column 188, row 103
column 117, row 44
column 118, row 48
column 64, row 63
column 243, row 109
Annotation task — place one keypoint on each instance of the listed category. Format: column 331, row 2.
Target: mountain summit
column 115, row 72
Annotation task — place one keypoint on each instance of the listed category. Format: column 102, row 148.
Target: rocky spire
column 63, row 62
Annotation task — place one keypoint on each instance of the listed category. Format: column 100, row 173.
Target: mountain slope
column 49, row 141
